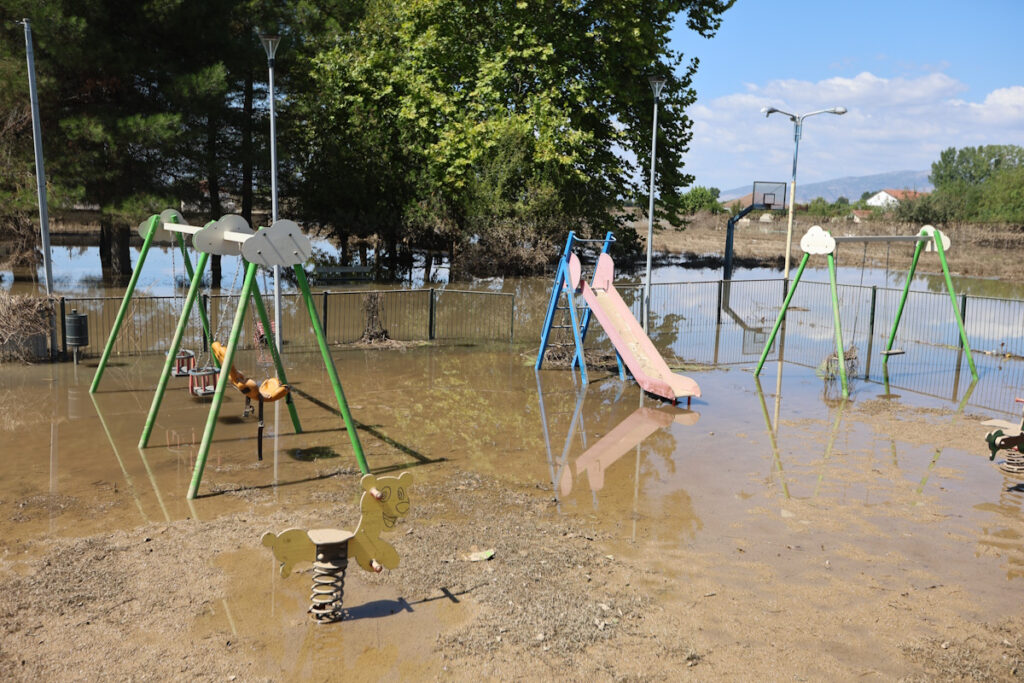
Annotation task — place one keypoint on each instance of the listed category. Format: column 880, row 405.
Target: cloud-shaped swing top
column 212, row 240
column 282, row 244
column 817, row 241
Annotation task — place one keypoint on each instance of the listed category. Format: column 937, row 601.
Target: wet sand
column 746, row 539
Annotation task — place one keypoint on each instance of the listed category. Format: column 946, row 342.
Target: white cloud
column 893, row 124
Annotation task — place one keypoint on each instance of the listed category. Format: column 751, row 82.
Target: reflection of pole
column 828, row 447
column 547, row 440
column 776, row 458
column 928, row 472
column 124, row 470
column 636, row 481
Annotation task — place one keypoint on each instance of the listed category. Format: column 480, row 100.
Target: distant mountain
column 851, row 187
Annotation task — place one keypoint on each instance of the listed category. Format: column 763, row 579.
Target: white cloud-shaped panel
column 282, row 244
column 817, row 241
column 211, row 239
column 161, row 235
column 931, row 231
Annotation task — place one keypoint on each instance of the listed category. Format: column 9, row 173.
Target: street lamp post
column 270, row 43
column 37, row 140
column 657, row 83
column 798, row 125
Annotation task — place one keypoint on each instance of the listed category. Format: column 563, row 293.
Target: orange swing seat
column 269, row 391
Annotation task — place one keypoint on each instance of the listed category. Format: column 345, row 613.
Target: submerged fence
column 406, row 315
column 728, row 322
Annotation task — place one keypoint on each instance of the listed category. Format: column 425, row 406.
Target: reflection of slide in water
column 628, row 434
column 627, row 336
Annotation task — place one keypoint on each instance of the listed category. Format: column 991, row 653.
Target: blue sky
column 917, row 77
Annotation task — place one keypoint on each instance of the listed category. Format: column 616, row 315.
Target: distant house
column 859, row 215
column 891, row 198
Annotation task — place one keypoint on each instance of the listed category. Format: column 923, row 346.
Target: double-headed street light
column 657, row 83
column 798, row 124
column 270, row 42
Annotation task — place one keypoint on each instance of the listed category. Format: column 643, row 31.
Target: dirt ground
column 793, row 587
column 977, row 250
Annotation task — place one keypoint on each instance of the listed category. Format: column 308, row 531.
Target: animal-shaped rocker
column 1008, row 437
column 269, row 391
column 384, row 500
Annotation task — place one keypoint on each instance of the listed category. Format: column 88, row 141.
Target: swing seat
column 271, row 390
column 893, row 352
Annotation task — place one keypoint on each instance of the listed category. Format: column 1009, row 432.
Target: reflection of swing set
column 818, row 241
column 281, row 244
column 773, row 435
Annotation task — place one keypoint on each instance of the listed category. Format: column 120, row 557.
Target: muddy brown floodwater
column 755, row 536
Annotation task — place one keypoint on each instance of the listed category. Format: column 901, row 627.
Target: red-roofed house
column 890, row 198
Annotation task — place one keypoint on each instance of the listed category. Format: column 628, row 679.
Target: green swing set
column 819, row 241
column 281, row 244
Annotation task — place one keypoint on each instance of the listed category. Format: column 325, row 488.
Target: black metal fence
column 406, row 315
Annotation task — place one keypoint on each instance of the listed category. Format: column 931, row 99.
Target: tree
column 451, row 121
column 701, row 199
column 973, row 166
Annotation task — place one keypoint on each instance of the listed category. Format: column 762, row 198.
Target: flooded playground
column 770, row 528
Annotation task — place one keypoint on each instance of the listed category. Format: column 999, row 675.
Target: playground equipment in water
column 1008, row 437
column 633, row 348
column 152, row 230
column 384, row 500
column 819, row 241
column 281, row 244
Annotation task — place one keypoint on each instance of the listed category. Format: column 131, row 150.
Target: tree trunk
column 213, row 183
column 115, row 251
column 428, row 263
column 121, row 254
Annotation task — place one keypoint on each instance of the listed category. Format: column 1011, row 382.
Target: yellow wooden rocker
column 269, row 391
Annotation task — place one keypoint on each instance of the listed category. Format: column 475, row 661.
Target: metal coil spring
column 328, row 588
column 1014, row 463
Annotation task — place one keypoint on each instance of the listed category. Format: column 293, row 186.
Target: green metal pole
column 332, row 373
column 837, row 324
column 153, row 223
column 261, row 311
column 937, row 237
column 179, row 332
column 188, row 269
column 903, row 300
column 782, row 314
column 222, row 380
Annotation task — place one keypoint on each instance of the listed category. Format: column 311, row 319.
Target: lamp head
column 270, row 42
column 768, row 111
column 837, row 110
column 657, row 83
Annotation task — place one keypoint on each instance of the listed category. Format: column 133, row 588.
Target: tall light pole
column 270, row 42
column 657, row 83
column 798, row 126
column 37, row 139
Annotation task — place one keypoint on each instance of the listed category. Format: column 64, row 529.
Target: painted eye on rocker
column 385, row 494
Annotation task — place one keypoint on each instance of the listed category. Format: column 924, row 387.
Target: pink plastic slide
column 627, row 336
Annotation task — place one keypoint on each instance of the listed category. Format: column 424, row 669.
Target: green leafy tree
column 462, row 123
column 700, row 198
column 973, row 165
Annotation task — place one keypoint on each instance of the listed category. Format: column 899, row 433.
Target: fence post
column 323, row 313
column 63, row 330
column 512, row 322
column 963, row 316
column 718, row 307
column 430, row 331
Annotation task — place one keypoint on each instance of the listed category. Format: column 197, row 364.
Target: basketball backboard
column 771, row 195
